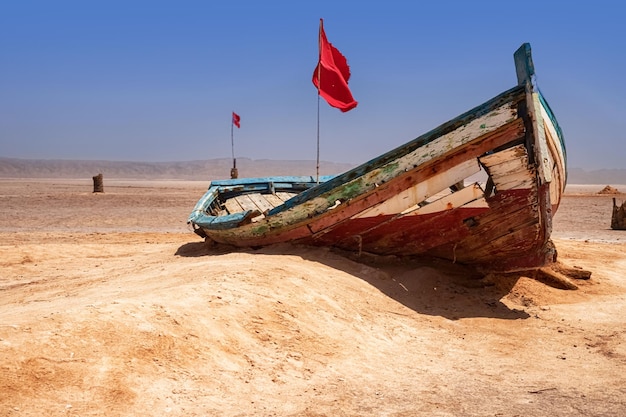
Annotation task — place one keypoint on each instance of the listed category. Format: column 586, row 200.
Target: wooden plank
column 246, row 202
column 233, row 206
column 514, row 182
column 506, row 156
column 524, row 66
column 273, row 200
column 542, row 154
column 557, row 185
column 219, row 213
column 411, row 197
column 284, row 196
column 454, row 200
column 554, row 143
column 511, row 212
column 509, row 169
column 260, row 201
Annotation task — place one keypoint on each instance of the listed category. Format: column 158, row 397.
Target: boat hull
column 480, row 190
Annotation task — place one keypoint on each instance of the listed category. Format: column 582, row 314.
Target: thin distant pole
column 233, row 172
column 232, row 140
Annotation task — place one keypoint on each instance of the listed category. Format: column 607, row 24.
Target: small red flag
column 332, row 74
column 236, row 120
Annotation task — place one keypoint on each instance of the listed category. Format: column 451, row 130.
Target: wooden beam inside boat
column 256, row 201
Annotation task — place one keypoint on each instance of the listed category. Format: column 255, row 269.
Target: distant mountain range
column 218, row 169
column 601, row 176
column 188, row 170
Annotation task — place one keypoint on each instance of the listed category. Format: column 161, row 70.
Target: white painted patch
column 472, row 194
column 408, row 199
column 509, row 169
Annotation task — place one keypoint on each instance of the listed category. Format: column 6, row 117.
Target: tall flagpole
column 319, row 85
column 318, row 139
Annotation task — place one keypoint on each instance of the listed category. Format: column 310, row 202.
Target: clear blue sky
column 157, row 80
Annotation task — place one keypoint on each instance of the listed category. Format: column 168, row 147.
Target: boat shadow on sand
column 426, row 286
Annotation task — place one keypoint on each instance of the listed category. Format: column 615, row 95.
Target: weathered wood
column 451, row 201
column 555, row 276
column 273, row 199
column 418, row 174
column 284, row 196
column 555, row 146
column 98, row 184
column 524, row 66
column 411, row 197
column 246, row 202
column 618, row 220
column 509, row 168
column 260, row 201
column 554, row 279
column 233, row 206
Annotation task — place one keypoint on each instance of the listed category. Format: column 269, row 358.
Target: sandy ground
column 109, row 305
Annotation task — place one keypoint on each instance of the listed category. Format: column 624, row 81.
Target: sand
column 110, row 305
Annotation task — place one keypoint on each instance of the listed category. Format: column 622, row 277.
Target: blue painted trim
column 226, row 188
column 266, row 180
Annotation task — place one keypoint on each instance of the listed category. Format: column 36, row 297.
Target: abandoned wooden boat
column 479, row 190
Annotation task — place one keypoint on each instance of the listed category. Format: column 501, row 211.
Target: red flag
column 333, row 71
column 236, row 120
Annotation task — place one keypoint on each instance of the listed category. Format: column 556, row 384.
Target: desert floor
column 110, row 305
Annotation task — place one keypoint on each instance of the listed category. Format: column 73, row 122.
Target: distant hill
column 601, row 176
column 188, row 170
column 218, row 169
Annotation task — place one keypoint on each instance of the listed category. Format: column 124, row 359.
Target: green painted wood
column 524, row 66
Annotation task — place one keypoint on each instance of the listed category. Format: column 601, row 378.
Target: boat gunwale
column 220, row 191
column 512, row 95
